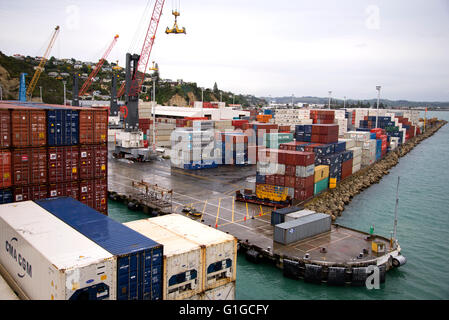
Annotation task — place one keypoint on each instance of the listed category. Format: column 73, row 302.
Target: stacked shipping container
column 52, row 150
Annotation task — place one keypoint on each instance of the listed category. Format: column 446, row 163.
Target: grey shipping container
column 298, row 214
column 298, row 229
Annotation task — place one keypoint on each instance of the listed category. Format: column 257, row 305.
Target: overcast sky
column 276, row 48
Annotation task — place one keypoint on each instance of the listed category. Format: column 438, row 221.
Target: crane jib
column 146, row 49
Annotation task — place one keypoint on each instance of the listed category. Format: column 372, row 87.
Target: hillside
column 168, row 92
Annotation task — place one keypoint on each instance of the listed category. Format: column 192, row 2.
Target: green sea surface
column 423, row 224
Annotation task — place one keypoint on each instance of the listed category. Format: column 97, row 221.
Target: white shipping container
column 182, row 267
column 350, row 143
column 219, row 250
column 50, row 260
column 356, row 167
column 356, row 151
column 305, row 172
column 224, row 292
column 356, row 160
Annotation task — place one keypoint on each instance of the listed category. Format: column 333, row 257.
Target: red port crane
column 97, row 68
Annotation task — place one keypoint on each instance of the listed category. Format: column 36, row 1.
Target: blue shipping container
column 62, row 127
column 5, row 196
column 340, row 146
column 278, row 216
column 139, row 259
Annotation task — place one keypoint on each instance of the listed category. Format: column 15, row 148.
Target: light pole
column 329, row 104
column 378, row 97
column 344, row 102
column 40, row 88
column 64, row 82
column 1, row 93
column 202, row 101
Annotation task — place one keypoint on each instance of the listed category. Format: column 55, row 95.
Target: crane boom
column 40, row 68
column 95, row 71
column 136, row 84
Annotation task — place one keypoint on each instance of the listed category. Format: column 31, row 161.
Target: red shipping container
column 5, row 169
column 279, row 180
column 100, row 153
column 29, row 166
column 25, row 193
column 290, row 180
column 304, row 194
column 5, row 129
column 101, row 126
column 270, row 179
column 87, row 190
column 346, row 168
column 299, row 158
column 21, row 167
column 56, row 164
column 86, row 165
column 38, row 128
column 290, row 171
column 20, row 129
column 86, row 127
column 64, row 189
column 302, row 183
column 71, row 163
column 38, row 165
column 101, row 195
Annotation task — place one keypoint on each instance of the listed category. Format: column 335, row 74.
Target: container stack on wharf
column 53, row 150
column 340, row 255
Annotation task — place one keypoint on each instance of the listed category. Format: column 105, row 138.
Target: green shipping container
column 273, row 140
column 320, row 186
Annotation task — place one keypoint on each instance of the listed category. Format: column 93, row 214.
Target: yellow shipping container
column 332, row 180
column 273, row 193
column 321, row 172
column 332, row 185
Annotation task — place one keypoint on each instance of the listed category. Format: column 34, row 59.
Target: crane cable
column 141, row 29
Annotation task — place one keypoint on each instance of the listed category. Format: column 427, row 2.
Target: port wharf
column 339, row 256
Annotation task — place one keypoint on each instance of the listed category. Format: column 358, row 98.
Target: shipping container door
column 71, row 163
column 87, row 192
column 101, row 126
column 5, row 169
column 101, row 194
column 5, row 128
column 20, row 136
column 71, row 129
column 21, row 194
column 101, row 161
column 86, row 162
column 38, row 192
column 72, row 190
column 86, row 127
column 38, row 128
column 56, row 164
column 54, row 127
column 127, row 277
column 38, row 165
column 21, row 167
